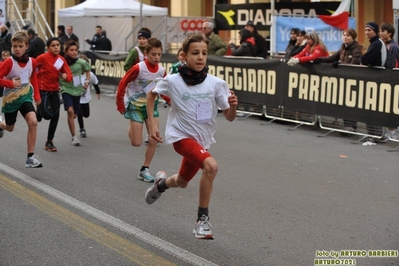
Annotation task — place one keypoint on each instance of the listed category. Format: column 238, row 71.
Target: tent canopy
column 98, row 8
column 118, row 17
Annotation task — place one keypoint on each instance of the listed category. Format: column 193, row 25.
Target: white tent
column 118, row 17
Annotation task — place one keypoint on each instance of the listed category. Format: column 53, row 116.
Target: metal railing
column 31, row 16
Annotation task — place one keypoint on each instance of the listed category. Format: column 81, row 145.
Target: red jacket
column 49, row 76
column 6, row 67
column 305, row 56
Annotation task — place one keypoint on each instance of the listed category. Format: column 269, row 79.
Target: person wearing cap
column 216, row 45
column 96, row 36
column 260, row 41
column 376, row 55
column 291, row 42
column 137, row 55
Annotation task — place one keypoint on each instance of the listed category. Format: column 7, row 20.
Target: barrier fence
column 309, row 94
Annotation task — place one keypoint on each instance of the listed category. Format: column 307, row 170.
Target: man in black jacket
column 376, row 55
column 96, row 36
column 6, row 36
column 70, row 34
column 36, row 44
column 260, row 41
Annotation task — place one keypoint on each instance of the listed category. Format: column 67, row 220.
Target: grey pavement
column 279, row 197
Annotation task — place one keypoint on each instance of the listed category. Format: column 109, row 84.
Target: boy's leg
column 135, row 133
column 209, row 171
column 31, row 121
column 71, row 121
column 151, row 147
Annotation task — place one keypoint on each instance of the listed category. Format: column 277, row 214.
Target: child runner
column 131, row 101
column 191, row 124
column 71, row 91
column 18, row 77
column 51, row 68
column 85, row 99
column 175, row 67
column 137, row 54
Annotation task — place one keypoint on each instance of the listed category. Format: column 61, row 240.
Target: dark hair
column 295, row 30
column 70, row 43
column 61, row 28
column 351, row 32
column 245, row 34
column 388, row 27
column 196, row 37
column 50, row 40
column 31, row 32
column 98, row 26
column 152, row 43
column 302, row 32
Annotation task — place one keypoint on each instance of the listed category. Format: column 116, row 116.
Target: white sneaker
column 152, row 193
column 75, row 141
column 33, row 162
column 146, row 139
column 202, row 229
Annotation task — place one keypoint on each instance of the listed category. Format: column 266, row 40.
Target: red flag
column 340, row 17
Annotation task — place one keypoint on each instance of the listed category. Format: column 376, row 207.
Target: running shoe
column 83, row 133
column 75, row 141
column 33, row 162
column 202, row 229
column 152, row 193
column 50, row 146
column 146, row 139
column 145, row 175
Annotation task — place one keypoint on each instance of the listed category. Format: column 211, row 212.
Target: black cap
column 250, row 23
column 374, row 27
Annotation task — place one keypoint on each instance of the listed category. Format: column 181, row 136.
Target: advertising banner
column 359, row 93
column 234, row 17
column 2, row 12
column 331, row 37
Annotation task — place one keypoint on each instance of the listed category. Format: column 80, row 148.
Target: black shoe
column 83, row 133
column 50, row 146
column 381, row 140
column 38, row 116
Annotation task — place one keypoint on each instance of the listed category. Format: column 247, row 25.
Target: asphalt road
column 279, row 197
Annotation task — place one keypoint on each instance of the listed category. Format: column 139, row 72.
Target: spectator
column 6, row 36
column 299, row 45
column 314, row 48
column 137, row 53
column 103, row 43
column 387, row 32
column 96, row 36
column 376, row 55
column 292, row 42
column 36, row 44
column 62, row 37
column 349, row 53
column 4, row 55
column 247, row 47
column 216, row 45
column 261, row 44
column 70, row 34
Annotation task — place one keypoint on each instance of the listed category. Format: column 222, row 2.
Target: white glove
column 293, row 61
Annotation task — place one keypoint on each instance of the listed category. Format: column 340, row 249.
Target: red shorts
column 193, row 157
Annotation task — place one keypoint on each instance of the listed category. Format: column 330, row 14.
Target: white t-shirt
column 86, row 96
column 184, row 119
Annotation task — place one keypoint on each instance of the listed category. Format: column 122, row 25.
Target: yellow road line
column 133, row 252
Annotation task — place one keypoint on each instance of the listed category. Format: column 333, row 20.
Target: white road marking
column 136, row 232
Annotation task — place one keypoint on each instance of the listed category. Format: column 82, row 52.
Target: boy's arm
column 66, row 70
column 4, row 70
column 120, row 94
column 34, row 83
column 131, row 58
column 231, row 113
column 153, row 130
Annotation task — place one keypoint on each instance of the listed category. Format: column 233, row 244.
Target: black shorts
column 84, row 110
column 70, row 100
column 25, row 108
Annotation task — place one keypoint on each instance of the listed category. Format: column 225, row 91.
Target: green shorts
column 139, row 114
